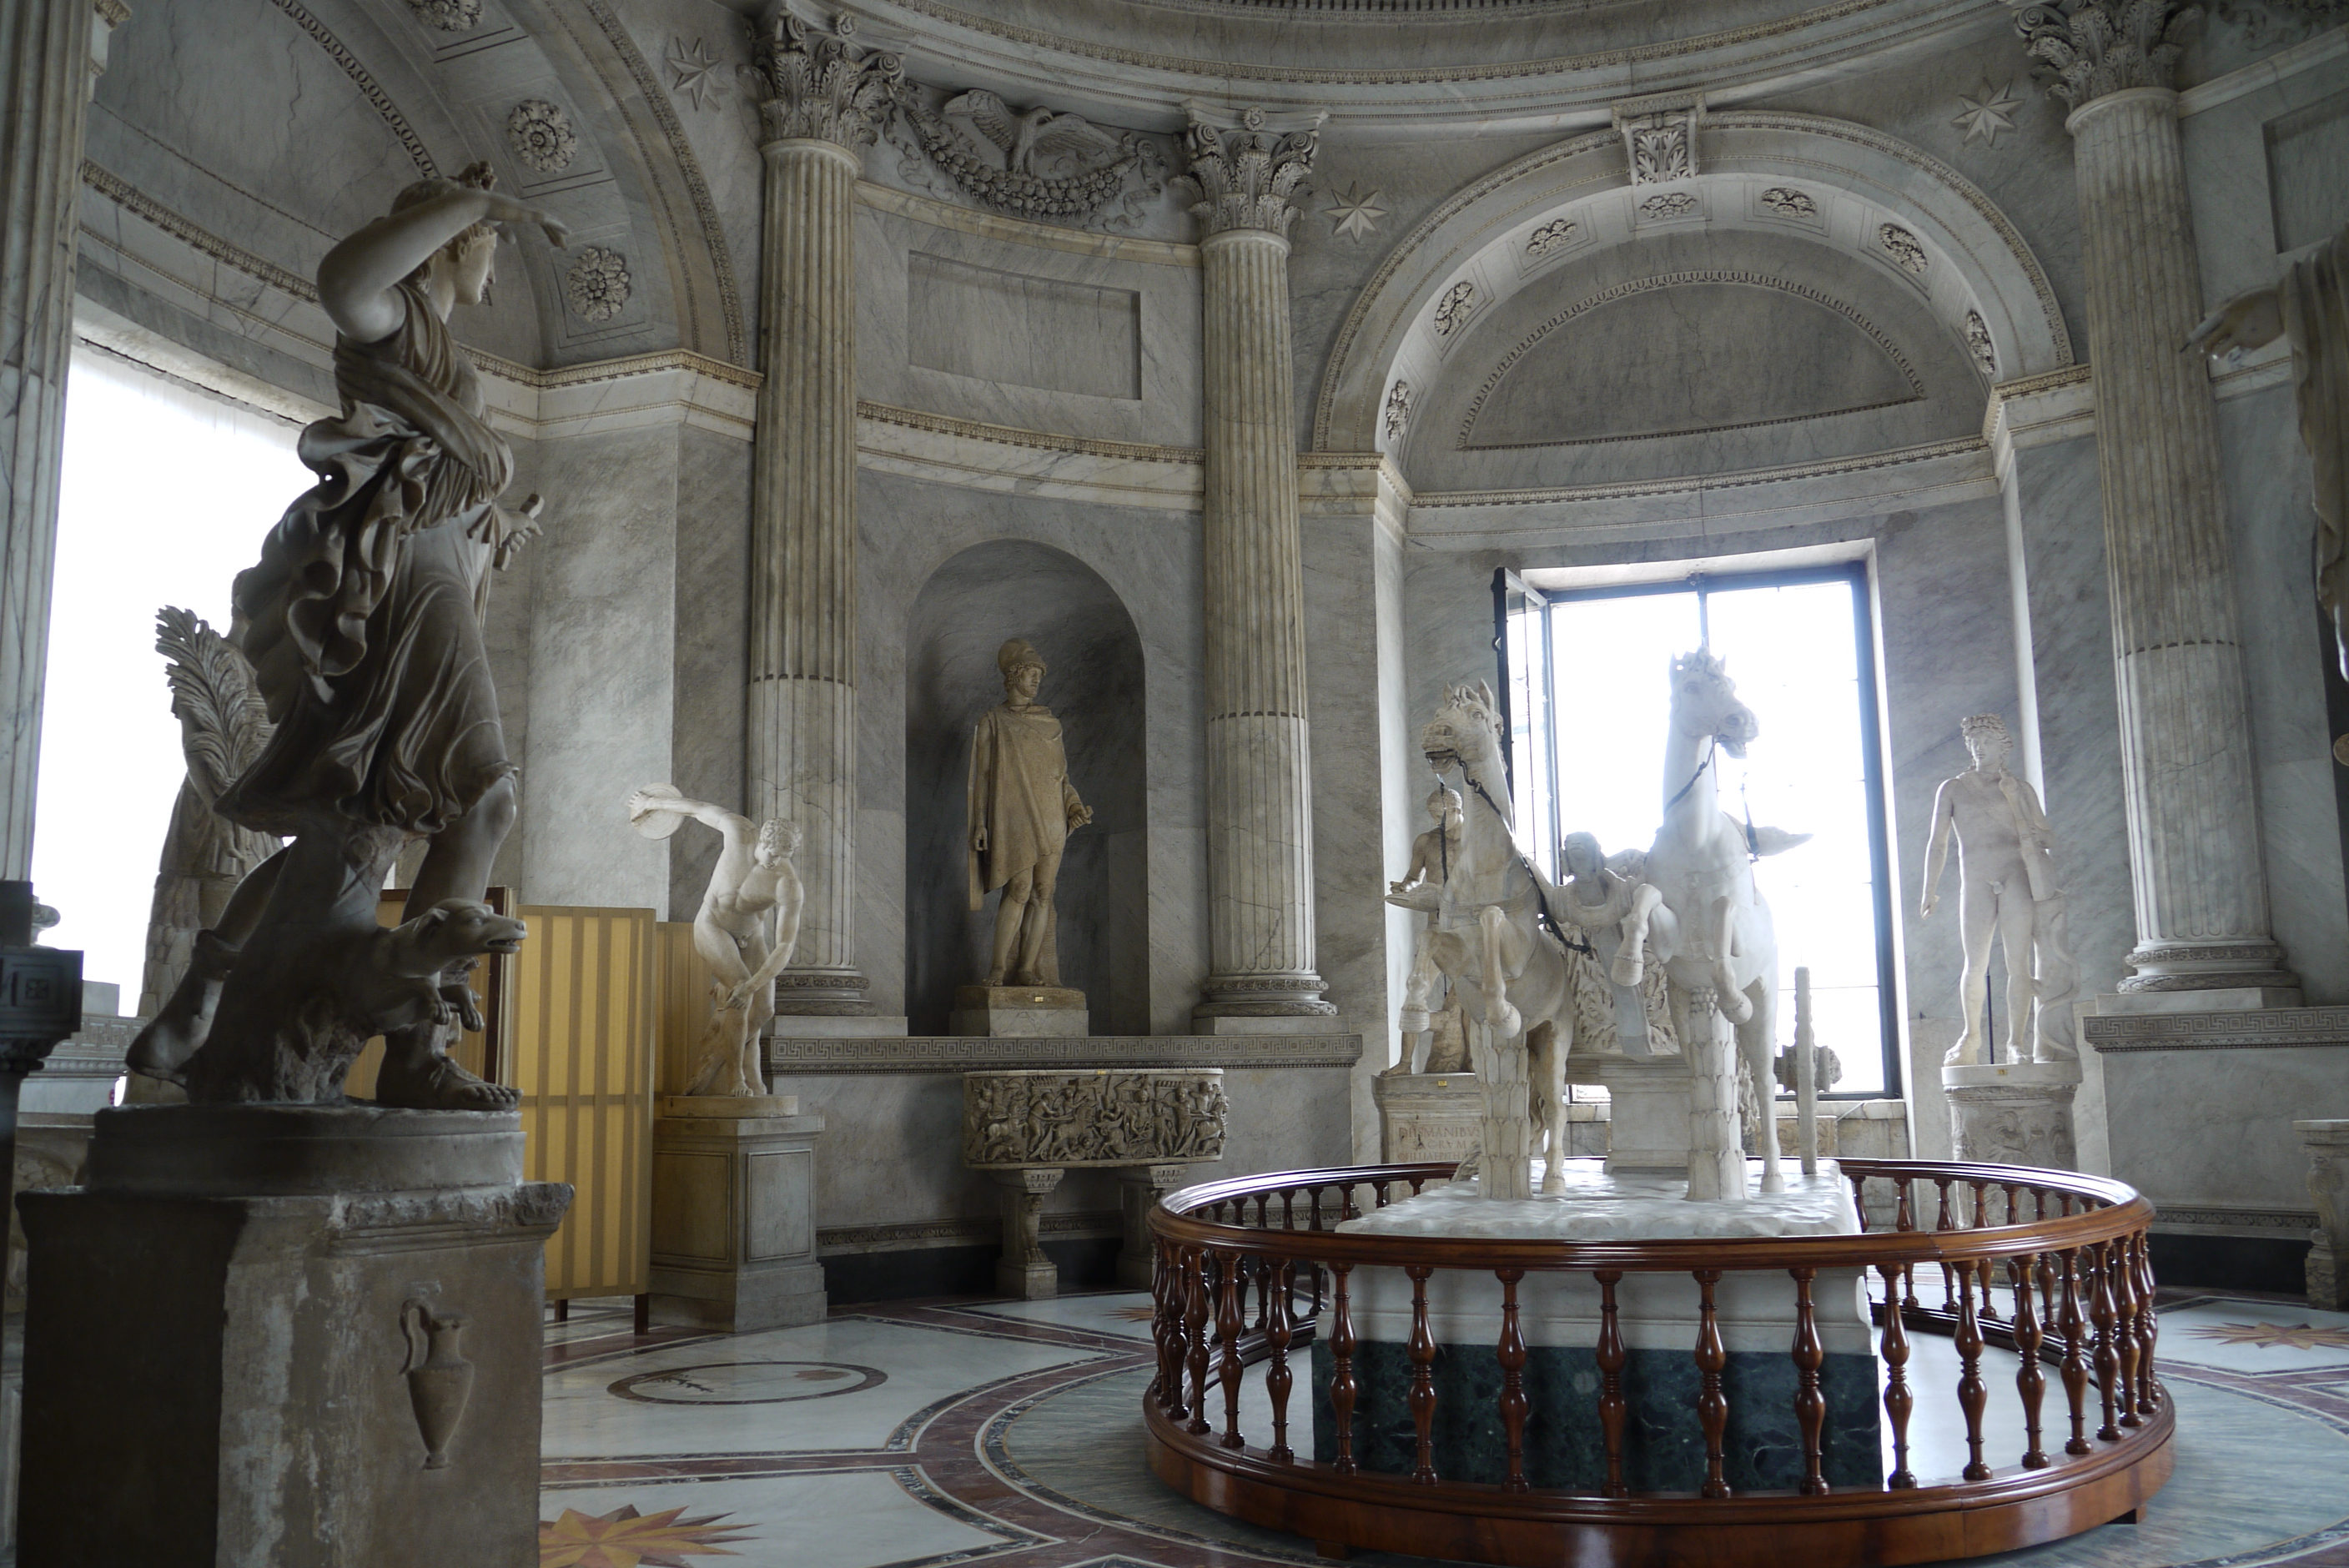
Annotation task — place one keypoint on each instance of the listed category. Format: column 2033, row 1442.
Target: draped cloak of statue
column 363, row 616
column 2315, row 299
column 1019, row 791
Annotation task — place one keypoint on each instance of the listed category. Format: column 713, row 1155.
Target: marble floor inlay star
column 625, row 1538
column 1008, row 1433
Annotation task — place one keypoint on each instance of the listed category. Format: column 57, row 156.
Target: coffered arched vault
column 1884, row 209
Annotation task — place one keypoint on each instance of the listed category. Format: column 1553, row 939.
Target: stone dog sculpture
column 362, row 624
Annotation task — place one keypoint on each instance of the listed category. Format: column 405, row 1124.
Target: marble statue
column 2309, row 307
column 223, row 725
column 2007, row 889
column 1625, row 1003
column 1421, row 888
column 1711, row 927
column 362, row 624
column 754, row 879
column 1497, row 942
column 1022, row 810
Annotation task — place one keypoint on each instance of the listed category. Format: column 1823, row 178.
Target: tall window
column 1588, row 706
column 166, row 491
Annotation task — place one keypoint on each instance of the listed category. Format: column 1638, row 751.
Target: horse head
column 1464, row 733
column 1705, row 704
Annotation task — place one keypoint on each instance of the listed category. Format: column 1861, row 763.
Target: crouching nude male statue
column 753, row 877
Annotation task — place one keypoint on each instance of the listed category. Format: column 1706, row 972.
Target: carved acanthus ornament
column 2100, row 46
column 821, row 86
column 1032, row 162
column 1660, row 137
column 1398, row 411
column 1246, row 178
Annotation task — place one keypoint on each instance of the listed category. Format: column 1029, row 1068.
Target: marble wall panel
column 603, row 643
column 901, row 341
column 984, row 325
column 1149, row 560
column 2262, row 170
column 709, row 679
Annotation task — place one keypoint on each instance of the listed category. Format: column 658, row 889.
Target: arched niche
column 970, row 606
column 1865, row 201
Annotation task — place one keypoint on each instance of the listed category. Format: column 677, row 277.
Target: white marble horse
column 1510, row 974
column 1710, row 927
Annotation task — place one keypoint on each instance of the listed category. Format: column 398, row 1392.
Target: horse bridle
column 1549, row 919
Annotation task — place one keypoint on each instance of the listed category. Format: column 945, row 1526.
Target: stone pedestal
column 2012, row 1113
column 1426, row 1116
column 1023, row 1271
column 733, row 1242
column 836, row 1027
column 287, row 1335
column 1647, row 1114
column 1139, row 1188
column 2326, row 1143
column 1024, row 1011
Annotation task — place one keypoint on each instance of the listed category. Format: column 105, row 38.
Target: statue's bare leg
column 1036, row 925
column 1009, row 915
column 1629, row 967
column 1756, row 1038
column 179, row 1027
column 2016, row 919
column 1978, row 914
column 754, row 1027
column 717, row 1057
column 417, row 1072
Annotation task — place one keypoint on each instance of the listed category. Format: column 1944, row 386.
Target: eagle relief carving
column 1031, row 162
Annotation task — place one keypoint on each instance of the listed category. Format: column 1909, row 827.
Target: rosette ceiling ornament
column 1031, row 162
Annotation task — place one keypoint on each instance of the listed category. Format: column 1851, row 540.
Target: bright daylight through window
column 1589, row 705
column 168, row 517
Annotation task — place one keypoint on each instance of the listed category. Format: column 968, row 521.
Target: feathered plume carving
column 223, row 722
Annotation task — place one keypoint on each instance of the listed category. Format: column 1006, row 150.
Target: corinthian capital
column 819, row 85
column 1248, row 178
column 2100, row 46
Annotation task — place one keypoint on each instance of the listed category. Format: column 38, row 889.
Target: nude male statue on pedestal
column 1022, row 810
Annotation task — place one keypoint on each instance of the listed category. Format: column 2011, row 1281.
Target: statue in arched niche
column 1022, row 809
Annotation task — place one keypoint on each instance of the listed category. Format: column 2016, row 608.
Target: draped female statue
column 363, row 622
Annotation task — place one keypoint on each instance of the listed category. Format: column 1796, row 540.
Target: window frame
column 1509, row 585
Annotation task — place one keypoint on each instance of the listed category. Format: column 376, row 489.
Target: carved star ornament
column 1354, row 213
column 1987, row 114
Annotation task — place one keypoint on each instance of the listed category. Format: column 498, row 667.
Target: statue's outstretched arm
column 1937, row 848
column 357, row 277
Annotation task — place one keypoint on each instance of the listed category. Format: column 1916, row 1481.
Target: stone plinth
column 1426, row 1116
column 1659, row 1320
column 291, row 1334
column 2014, row 1113
column 2326, row 1144
column 1139, row 1188
column 734, row 1225
column 1024, row 1270
column 1647, row 1112
column 1020, row 1011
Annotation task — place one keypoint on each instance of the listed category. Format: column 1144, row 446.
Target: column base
column 1297, row 997
column 2014, row 1113
column 299, row 1299
column 2189, row 969
column 836, row 1027
column 1427, row 1116
column 733, row 1220
column 1020, row 1011
column 822, row 993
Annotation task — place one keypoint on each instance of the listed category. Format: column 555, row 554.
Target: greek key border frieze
column 2281, row 1026
column 985, row 1231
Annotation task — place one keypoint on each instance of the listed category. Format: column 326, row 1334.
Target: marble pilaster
column 50, row 54
column 1262, row 973
column 2202, row 898
column 824, row 99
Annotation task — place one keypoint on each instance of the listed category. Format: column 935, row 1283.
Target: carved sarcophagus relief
column 1103, row 1117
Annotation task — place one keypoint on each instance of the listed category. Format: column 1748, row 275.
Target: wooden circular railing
column 2052, row 1265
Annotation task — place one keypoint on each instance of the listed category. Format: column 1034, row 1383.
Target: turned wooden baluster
column 1511, row 1353
column 1711, row 1403
column 1904, row 1218
column 1980, row 1274
column 1942, row 1222
column 1277, row 1379
column 2030, row 1381
column 1897, row 1400
column 1972, row 1393
column 2125, row 1316
column 1341, row 1368
column 2107, row 1358
column 1230, row 1317
column 2076, row 1361
column 1612, row 1358
column 1859, row 1201
column 1423, row 1376
column 1195, row 1263
column 1379, row 1190
column 2148, row 1389
column 1166, row 1323
column 2046, row 1269
column 1810, row 1405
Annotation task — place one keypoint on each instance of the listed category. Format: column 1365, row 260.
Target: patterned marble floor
column 1009, row 1432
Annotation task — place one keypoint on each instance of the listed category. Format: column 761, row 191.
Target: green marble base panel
column 1565, row 1446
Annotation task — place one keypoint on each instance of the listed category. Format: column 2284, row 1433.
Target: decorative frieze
column 1012, row 1119
column 1905, row 249
column 1397, row 419
column 1788, row 203
column 1671, row 204
column 1451, row 312
column 448, row 15
column 540, row 134
column 1978, row 345
column 1553, row 236
column 596, row 287
column 1251, row 178
column 1054, row 168
column 1660, row 137
column 2101, row 47
column 819, row 85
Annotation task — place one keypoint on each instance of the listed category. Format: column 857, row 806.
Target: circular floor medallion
column 748, row 1382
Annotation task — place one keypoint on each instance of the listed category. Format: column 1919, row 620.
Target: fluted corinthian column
column 825, row 99
column 2195, row 852
column 1259, row 770
column 50, row 54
